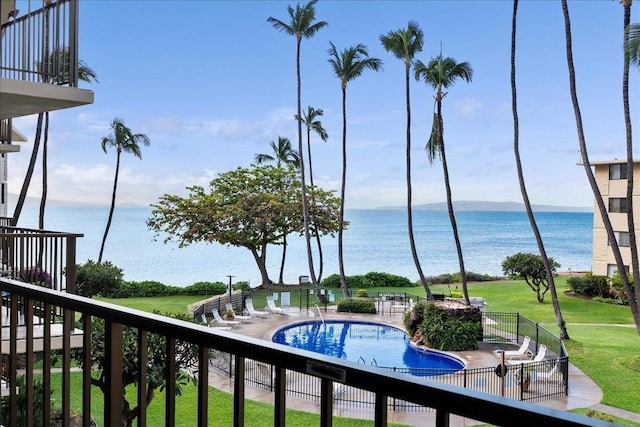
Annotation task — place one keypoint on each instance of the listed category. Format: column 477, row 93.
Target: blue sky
column 212, row 83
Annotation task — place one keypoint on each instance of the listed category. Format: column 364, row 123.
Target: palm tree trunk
column 315, row 227
column 343, row 280
column 452, row 217
column 284, row 256
column 633, row 244
column 305, row 207
column 27, row 179
column 43, row 198
column 412, row 242
column 587, row 167
column 113, row 205
column 562, row 327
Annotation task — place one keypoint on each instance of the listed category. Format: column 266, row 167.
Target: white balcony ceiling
column 22, row 98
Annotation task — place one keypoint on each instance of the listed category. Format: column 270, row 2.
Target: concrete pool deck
column 583, row 392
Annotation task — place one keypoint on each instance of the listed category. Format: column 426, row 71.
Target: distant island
column 476, row 205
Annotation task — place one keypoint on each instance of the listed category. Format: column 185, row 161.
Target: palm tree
column 562, row 327
column 301, row 25
column 347, row 65
column 86, row 74
column 441, row 73
column 628, row 54
column 633, row 44
column 590, row 177
column 123, row 140
column 311, row 122
column 404, row 44
column 283, row 154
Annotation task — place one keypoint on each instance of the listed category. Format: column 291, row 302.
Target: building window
column 618, row 205
column 622, row 237
column 618, row 171
column 612, row 269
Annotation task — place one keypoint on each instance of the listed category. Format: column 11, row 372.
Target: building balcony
column 39, row 58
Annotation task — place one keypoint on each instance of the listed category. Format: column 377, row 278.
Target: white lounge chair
column 210, row 324
column 542, row 351
column 252, row 311
column 218, row 319
column 229, row 307
column 271, row 306
column 552, row 375
column 521, row 353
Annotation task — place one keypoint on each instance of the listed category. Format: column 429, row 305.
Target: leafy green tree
column 531, row 269
column 92, row 278
column 405, row 44
column 122, row 139
column 562, row 327
column 245, row 207
column 283, row 154
column 311, row 122
column 597, row 195
column 302, row 25
column 441, row 73
column 186, row 361
column 347, row 65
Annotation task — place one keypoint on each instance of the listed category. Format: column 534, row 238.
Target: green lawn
column 220, row 408
column 610, row 355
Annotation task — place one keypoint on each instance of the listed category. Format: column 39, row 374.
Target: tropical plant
column 302, row 24
column 186, row 360
column 283, row 154
column 615, row 249
column 404, row 44
column 633, row 44
column 98, row 278
column 347, row 65
column 562, row 327
column 122, row 139
column 311, row 122
column 249, row 208
column 441, row 73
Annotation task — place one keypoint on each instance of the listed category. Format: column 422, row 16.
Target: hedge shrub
column 356, row 306
column 94, row 278
column 369, row 280
column 451, row 330
column 590, row 285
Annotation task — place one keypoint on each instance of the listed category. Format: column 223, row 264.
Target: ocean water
column 376, row 240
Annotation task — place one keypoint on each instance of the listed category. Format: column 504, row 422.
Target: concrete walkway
column 583, row 392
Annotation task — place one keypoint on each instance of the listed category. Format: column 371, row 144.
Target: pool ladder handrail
column 320, row 313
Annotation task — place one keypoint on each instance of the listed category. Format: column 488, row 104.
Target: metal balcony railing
column 444, row 399
column 45, row 258
column 41, row 45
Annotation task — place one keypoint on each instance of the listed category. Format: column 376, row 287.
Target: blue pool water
column 369, row 343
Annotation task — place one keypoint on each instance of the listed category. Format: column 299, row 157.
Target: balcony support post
column 170, row 381
column 326, row 403
column 280, row 404
column 238, row 393
column 442, row 418
column 203, row 386
column 113, row 374
column 143, row 344
column 381, row 410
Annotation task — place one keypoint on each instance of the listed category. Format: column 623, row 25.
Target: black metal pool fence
column 544, row 380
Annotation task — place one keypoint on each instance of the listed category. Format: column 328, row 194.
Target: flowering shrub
column 37, row 276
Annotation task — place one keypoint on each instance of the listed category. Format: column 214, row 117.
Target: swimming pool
column 369, row 343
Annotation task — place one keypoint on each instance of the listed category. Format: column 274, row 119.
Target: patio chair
column 542, row 351
column 521, row 353
column 271, row 306
column 552, row 375
column 218, row 319
column 229, row 307
column 211, row 325
column 252, row 311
